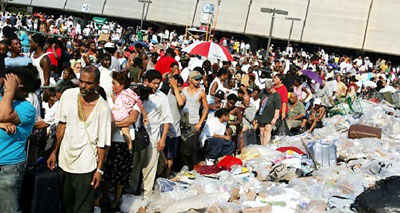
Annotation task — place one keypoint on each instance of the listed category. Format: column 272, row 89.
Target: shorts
column 264, row 124
column 171, row 147
column 318, row 125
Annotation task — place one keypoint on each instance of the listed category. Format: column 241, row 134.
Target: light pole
column 195, row 10
column 215, row 20
column 273, row 11
column 4, row 5
column 291, row 27
column 144, row 6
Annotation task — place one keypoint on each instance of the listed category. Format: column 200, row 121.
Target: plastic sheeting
column 361, row 162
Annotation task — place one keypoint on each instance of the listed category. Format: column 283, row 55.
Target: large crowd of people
column 84, row 103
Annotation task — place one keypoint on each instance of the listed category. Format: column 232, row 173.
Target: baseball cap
column 269, row 84
column 109, row 45
column 196, row 75
column 220, row 94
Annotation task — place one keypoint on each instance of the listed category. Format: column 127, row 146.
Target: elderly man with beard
column 83, row 132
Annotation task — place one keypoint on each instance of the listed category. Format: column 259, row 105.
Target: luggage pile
column 350, row 165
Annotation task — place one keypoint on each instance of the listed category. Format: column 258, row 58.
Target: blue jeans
column 217, row 147
column 10, row 187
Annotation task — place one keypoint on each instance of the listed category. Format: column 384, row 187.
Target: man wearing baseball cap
column 195, row 97
column 110, row 49
column 315, row 119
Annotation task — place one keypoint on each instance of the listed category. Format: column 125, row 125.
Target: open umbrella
column 209, row 49
column 313, row 75
column 164, row 64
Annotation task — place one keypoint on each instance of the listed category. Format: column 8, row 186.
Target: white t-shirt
column 185, row 74
column 158, row 113
column 388, row 88
column 175, row 127
column 50, row 113
column 106, row 80
column 78, row 150
column 245, row 67
column 34, row 100
column 212, row 127
column 255, row 103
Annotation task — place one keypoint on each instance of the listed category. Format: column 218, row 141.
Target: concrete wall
column 259, row 23
column 96, row 6
column 124, row 8
column 340, row 23
column 58, row 4
column 384, row 27
column 337, row 23
column 23, row 2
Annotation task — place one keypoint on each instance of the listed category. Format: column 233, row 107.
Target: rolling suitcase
column 363, row 131
column 41, row 190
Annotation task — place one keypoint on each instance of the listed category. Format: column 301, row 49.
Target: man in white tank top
column 195, row 97
column 40, row 59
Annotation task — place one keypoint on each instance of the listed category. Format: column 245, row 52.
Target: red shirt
column 52, row 57
column 284, row 96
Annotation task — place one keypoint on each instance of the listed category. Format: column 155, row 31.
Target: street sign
column 208, row 8
column 266, row 10
column 85, row 8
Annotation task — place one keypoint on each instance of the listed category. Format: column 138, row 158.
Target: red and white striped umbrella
column 209, row 49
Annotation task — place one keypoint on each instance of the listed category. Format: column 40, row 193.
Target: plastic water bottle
column 184, row 169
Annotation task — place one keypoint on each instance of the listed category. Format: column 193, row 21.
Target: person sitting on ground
column 235, row 114
column 325, row 94
column 219, row 98
column 341, row 88
column 296, row 112
column 219, row 141
column 218, row 84
column 249, row 113
column 315, row 118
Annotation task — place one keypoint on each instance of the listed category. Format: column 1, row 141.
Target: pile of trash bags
column 324, row 171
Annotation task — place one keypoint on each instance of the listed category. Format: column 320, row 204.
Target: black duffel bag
column 383, row 197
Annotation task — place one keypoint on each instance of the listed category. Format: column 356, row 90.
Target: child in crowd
column 124, row 100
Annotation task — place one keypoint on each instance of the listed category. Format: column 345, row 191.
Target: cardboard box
column 264, row 209
column 104, row 37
